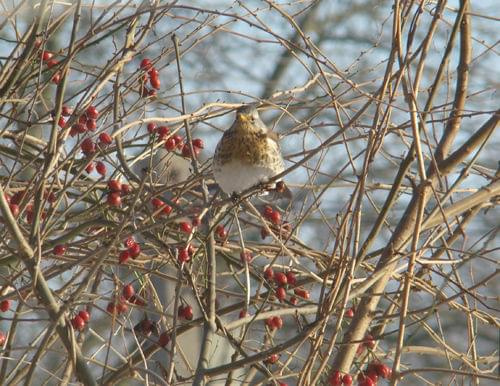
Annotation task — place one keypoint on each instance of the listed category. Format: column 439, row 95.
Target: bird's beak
column 243, row 117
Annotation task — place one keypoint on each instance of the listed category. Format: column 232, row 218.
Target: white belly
column 235, row 176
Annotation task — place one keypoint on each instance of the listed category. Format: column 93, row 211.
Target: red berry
column 82, row 119
column 90, row 167
column 163, row 132
column 151, row 92
column 365, row 381
column 101, row 168
column 246, row 256
column 186, row 151
column 114, row 186
column 221, row 232
column 129, row 242
column 291, row 278
column 128, row 291
column 84, row 315
column 188, row 313
column 126, row 189
column 105, row 139
column 272, row 359
column 114, row 199
column 302, row 293
column 294, row 300
column 59, row 250
column 280, row 278
column 350, row 312
column 91, row 124
column 183, row 255
column 56, row 78
column 92, row 112
column 61, row 122
column 66, row 111
column 14, row 209
column 196, row 221
column 269, row 274
column 52, row 63
column 153, row 72
column 151, row 127
column 277, row 322
column 121, row 307
column 5, row 305
column 178, row 140
column 281, row 293
column 275, row 217
column 79, row 128
column 164, row 339
column 185, row 227
column 382, row 370
column 243, row 314
column 347, row 380
column 185, row 312
column 170, row 144
column 78, row 323
column 146, row 64
column 335, row 378
column 46, row 55
column 369, row 341
column 3, row 338
column 198, row 143
column 372, row 374
column 157, row 203
column 134, row 250
column 124, row 256
column 18, row 197
column 111, row 307
column 268, row 211
column 155, row 82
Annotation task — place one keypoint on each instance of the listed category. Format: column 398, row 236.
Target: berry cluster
column 274, row 322
column 115, row 192
column 221, row 233
column 277, row 225
column 282, row 281
column 368, row 342
column 86, row 122
column 373, row 371
column 161, row 208
column 48, row 59
column 336, row 379
column 18, row 198
column 184, row 254
column 171, row 142
column 133, row 250
column 5, row 305
column 80, row 320
column 149, row 72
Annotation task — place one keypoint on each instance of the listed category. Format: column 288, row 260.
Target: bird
column 248, row 154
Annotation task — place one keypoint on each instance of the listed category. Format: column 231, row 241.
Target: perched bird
column 247, row 154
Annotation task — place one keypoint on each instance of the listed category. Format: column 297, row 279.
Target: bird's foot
column 235, row 197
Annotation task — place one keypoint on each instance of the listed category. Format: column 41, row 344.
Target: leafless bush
column 121, row 259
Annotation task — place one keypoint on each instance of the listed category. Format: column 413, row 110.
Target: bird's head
column 249, row 116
